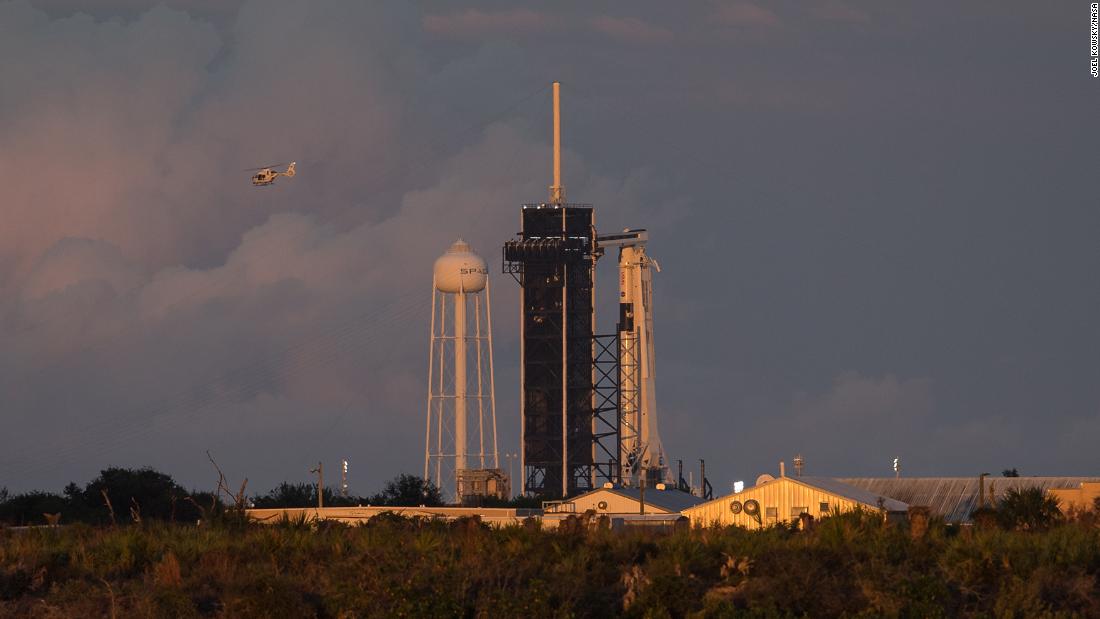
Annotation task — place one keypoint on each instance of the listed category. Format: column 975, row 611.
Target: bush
column 133, row 494
column 288, row 495
column 851, row 565
column 1029, row 562
column 408, row 491
column 1028, row 509
column 401, row 491
column 31, row 507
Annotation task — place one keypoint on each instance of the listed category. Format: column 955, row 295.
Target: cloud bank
column 870, row 247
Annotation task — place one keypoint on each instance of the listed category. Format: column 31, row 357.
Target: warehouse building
column 954, row 498
column 1083, row 498
column 619, row 500
column 785, row 499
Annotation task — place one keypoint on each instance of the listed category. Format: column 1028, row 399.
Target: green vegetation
column 1028, row 509
column 116, row 495
column 404, row 490
column 849, row 565
column 408, row 490
column 146, row 557
column 121, row 496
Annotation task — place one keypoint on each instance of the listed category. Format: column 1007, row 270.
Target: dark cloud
column 840, row 11
column 745, row 14
column 477, row 23
column 631, row 29
column 876, row 226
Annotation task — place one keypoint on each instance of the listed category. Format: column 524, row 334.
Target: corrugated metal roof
column 674, row 501
column 860, row 495
column 955, row 498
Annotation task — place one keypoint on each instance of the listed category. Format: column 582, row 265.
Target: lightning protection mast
column 564, row 422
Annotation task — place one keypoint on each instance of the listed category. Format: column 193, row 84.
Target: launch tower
column 588, row 412
column 568, row 413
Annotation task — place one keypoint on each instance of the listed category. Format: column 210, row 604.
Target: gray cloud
column 873, row 241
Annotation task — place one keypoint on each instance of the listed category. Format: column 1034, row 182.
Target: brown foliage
column 850, row 565
column 167, row 572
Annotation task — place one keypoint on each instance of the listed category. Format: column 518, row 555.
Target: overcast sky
column 877, row 225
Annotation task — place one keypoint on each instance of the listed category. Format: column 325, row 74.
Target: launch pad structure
column 587, row 407
column 565, row 448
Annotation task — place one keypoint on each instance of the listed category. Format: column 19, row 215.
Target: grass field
column 850, row 565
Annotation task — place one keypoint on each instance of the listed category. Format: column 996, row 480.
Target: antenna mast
column 557, row 191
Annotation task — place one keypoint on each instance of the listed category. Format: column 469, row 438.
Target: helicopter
column 267, row 175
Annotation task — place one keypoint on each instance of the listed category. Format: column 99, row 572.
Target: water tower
column 461, row 339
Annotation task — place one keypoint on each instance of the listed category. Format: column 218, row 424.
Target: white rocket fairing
column 640, row 450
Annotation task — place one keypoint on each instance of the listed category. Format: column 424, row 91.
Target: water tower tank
column 460, row 270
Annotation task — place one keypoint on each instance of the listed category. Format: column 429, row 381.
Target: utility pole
column 705, row 489
column 320, row 470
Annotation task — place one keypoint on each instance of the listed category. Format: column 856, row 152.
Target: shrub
column 30, row 507
column 131, row 494
column 288, row 495
column 1028, row 509
column 408, row 491
column 848, row 565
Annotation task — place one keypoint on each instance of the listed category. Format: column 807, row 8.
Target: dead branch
column 110, row 592
column 237, row 500
column 202, row 510
column 110, row 508
column 222, row 487
column 135, row 511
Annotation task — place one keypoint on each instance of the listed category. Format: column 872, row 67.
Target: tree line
column 119, row 495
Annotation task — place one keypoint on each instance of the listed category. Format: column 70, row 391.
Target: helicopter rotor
column 266, row 167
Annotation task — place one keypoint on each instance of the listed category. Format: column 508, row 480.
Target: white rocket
column 640, row 451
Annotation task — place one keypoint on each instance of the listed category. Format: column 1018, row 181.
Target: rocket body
column 640, row 446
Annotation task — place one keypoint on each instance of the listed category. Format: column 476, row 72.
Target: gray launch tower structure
column 570, row 396
column 569, row 376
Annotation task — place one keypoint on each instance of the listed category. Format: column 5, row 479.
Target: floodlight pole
column 344, row 480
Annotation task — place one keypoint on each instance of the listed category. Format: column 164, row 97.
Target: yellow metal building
column 784, row 499
column 1082, row 498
